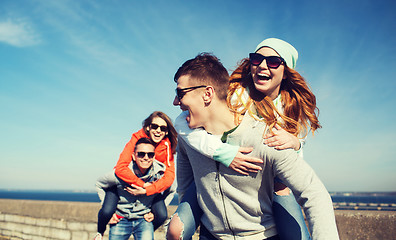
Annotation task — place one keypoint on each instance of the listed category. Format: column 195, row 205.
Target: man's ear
column 133, row 156
column 208, row 94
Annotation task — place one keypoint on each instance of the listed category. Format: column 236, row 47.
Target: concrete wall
column 42, row 220
column 26, row 219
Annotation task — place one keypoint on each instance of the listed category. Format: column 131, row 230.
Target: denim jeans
column 289, row 219
column 189, row 212
column 140, row 228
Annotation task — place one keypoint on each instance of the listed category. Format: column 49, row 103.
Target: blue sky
column 78, row 77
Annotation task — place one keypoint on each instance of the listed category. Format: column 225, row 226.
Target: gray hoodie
column 130, row 206
column 237, row 206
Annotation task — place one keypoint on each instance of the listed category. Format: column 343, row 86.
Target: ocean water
column 68, row 196
column 341, row 200
column 365, row 199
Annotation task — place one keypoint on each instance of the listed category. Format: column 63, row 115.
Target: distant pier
column 364, row 206
column 378, row 201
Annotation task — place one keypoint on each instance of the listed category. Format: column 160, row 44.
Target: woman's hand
column 135, row 190
column 245, row 164
column 281, row 139
column 149, row 217
column 114, row 219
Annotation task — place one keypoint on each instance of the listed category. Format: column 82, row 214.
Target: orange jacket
column 163, row 153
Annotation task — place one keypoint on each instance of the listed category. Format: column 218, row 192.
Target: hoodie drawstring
column 168, row 155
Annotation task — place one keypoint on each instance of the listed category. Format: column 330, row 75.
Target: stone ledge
column 78, row 211
column 352, row 224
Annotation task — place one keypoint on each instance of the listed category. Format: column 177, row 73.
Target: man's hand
column 281, row 139
column 136, row 190
column 114, row 219
column 149, row 217
column 245, row 164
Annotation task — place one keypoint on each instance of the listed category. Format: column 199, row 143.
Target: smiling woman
column 158, row 129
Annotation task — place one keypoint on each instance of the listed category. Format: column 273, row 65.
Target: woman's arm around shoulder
column 212, row 147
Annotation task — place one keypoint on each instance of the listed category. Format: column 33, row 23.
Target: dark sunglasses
column 180, row 92
column 272, row 61
column 143, row 154
column 156, row 126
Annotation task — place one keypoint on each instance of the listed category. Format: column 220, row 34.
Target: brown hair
column 172, row 134
column 206, row 69
column 299, row 103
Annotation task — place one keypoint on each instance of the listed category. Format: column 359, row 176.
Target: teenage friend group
column 234, row 156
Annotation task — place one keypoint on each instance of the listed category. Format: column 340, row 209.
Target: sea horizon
column 94, row 191
column 341, row 200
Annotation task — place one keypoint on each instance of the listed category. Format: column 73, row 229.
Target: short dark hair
column 206, row 69
column 144, row 141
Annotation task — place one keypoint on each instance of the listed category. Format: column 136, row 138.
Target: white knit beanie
column 284, row 49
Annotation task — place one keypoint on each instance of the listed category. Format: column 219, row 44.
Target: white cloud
column 18, row 33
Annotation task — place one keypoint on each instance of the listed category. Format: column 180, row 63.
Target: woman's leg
column 288, row 216
column 159, row 210
column 108, row 208
column 187, row 217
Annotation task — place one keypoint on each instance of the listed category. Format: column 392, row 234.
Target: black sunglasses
column 180, row 92
column 143, row 154
column 156, row 126
column 272, row 61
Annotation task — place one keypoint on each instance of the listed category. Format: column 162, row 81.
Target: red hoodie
column 163, row 153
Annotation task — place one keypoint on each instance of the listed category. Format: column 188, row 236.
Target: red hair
column 299, row 103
